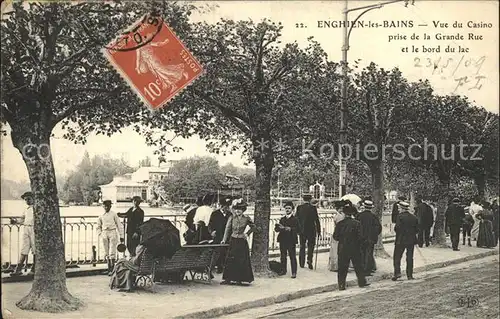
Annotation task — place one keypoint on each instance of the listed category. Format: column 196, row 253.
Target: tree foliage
column 193, row 177
column 82, row 184
column 197, row 176
column 53, row 72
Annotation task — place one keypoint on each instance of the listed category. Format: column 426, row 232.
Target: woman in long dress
column 238, row 267
column 485, row 237
column 333, row 259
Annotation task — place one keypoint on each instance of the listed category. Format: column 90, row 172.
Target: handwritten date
column 464, row 71
column 441, row 64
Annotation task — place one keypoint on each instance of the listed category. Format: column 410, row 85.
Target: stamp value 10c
column 153, row 61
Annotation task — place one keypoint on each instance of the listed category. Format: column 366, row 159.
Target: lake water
column 16, row 207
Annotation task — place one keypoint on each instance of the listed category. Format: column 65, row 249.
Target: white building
column 144, row 182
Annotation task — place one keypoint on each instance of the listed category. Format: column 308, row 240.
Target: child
column 287, row 238
column 467, row 226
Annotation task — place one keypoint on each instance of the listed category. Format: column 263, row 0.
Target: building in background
column 145, row 182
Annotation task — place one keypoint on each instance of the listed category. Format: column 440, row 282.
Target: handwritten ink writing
column 465, row 79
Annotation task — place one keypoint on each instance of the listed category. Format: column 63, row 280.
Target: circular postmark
column 140, row 34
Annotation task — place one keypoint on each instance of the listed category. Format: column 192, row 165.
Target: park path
column 196, row 300
column 466, row 290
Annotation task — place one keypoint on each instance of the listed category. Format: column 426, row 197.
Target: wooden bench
column 195, row 260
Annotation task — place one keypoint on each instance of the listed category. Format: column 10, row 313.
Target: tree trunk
column 439, row 236
column 480, row 181
column 264, row 162
column 48, row 292
column 412, row 201
column 377, row 171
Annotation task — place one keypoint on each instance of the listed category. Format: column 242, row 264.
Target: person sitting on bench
column 125, row 270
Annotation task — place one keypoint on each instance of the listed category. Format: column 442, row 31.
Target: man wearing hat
column 134, row 217
column 287, row 238
column 454, row 215
column 425, row 218
column 406, row 238
column 217, row 227
column 347, row 233
column 309, row 228
column 28, row 239
column 395, row 209
column 109, row 228
column 370, row 230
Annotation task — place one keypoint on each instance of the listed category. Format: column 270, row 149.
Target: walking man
column 309, row 229
column 135, row 217
column 406, row 237
column 109, row 228
column 454, row 218
column 348, row 234
column 28, row 239
column 370, row 229
column 395, row 209
column 217, row 226
column 425, row 218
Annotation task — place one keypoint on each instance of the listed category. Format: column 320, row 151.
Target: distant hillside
column 12, row 189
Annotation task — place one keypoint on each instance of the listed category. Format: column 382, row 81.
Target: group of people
column 226, row 225
column 479, row 222
column 110, row 229
column 353, row 241
column 357, row 230
column 482, row 223
column 303, row 227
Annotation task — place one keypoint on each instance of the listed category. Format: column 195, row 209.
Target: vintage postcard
column 250, row 159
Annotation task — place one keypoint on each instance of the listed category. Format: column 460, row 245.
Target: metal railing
column 83, row 245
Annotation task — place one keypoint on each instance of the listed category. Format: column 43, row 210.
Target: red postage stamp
column 153, row 61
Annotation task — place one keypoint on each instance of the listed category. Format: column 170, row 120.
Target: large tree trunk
column 377, row 172
column 480, row 181
column 264, row 162
column 48, row 292
column 443, row 191
column 412, row 201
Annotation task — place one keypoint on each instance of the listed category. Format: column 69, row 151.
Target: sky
column 302, row 19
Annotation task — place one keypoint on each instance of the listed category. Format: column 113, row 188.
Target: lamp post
column 343, row 107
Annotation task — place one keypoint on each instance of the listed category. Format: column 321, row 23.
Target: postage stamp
column 153, row 61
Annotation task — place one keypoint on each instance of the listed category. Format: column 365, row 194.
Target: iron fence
column 83, row 246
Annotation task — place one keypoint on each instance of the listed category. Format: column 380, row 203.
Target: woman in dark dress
column 485, row 237
column 238, row 267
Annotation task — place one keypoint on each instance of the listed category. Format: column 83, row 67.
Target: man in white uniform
column 28, row 238
column 109, row 228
